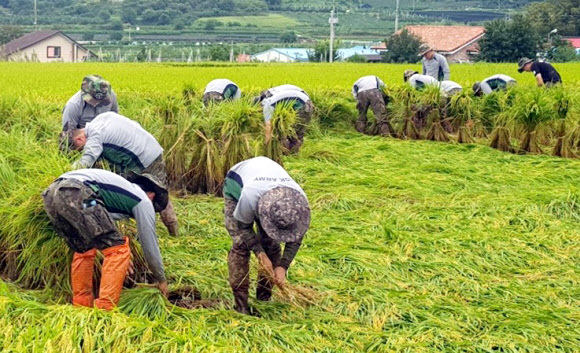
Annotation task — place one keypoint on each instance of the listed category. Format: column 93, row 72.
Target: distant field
column 272, row 20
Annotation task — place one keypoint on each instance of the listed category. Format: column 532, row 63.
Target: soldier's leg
column 380, row 111
column 362, row 106
column 238, row 260
column 114, row 270
column 273, row 250
column 82, row 278
column 83, row 262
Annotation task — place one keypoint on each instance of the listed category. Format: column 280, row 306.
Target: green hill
column 309, row 17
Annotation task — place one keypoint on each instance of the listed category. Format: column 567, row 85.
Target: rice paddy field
column 415, row 245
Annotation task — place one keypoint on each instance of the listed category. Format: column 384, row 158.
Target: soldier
column 545, row 73
column 271, row 91
column 450, row 88
column 301, row 103
column 260, row 191
column 434, row 64
column 95, row 97
column 418, row 81
column 368, row 92
column 220, row 90
column 128, row 148
column 82, row 206
column 493, row 83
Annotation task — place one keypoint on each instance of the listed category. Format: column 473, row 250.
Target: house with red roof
column 575, row 41
column 456, row 43
column 44, row 46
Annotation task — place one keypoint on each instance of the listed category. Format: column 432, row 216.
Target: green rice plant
column 563, row 146
column 403, row 113
column 333, row 110
column 463, row 114
column 532, row 110
column 283, row 121
column 432, row 98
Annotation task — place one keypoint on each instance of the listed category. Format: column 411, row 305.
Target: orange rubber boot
column 115, row 266
column 82, row 278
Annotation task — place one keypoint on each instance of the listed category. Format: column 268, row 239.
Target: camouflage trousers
column 214, row 97
column 168, row 216
column 239, row 258
column 79, row 217
column 373, row 99
column 293, row 144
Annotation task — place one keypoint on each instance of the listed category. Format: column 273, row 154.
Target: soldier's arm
column 290, row 251
column 241, row 229
column 145, row 217
column 91, row 152
column 539, row 80
column 446, row 70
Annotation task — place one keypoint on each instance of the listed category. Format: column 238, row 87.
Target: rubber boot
column 82, row 278
column 386, row 129
column 115, row 266
column 361, row 126
column 241, row 303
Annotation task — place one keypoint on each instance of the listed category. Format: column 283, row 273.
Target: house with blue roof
column 283, row 55
column 366, row 52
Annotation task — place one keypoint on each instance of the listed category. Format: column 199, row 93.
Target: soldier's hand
column 163, row 288
column 280, row 275
column 266, row 263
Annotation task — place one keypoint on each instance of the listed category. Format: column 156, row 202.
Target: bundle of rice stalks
column 563, row 147
column 283, row 124
column 144, row 302
column 402, row 109
column 294, row 295
column 463, row 112
column 333, row 110
column 431, row 98
column 205, row 173
column 241, row 123
column 531, row 110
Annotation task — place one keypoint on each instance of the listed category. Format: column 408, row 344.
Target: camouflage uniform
column 158, row 169
column 244, row 239
column 374, row 99
column 214, row 97
column 265, row 195
column 82, row 225
column 304, row 116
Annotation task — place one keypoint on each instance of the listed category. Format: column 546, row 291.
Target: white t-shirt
column 419, row 81
column 269, row 104
column 249, row 180
column 366, row 83
column 496, row 82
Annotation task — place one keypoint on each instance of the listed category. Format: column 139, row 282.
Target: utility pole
column 332, row 20
column 397, row 17
column 35, row 16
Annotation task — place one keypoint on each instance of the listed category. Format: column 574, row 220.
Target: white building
column 45, row 46
column 283, row 55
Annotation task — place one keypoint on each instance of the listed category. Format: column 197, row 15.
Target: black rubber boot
column 241, row 303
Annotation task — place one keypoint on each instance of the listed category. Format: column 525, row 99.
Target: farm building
column 283, row 55
column 45, row 46
column 368, row 53
column 456, row 43
column 575, row 42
